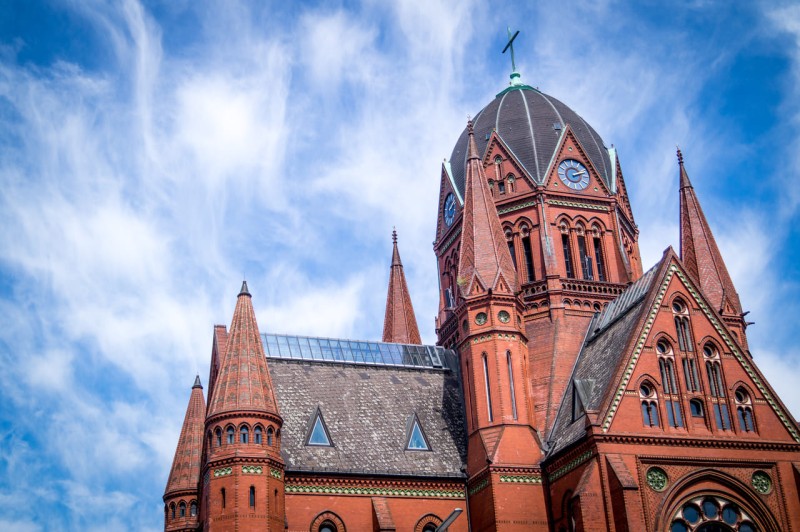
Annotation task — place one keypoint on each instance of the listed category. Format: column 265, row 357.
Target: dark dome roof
column 531, row 124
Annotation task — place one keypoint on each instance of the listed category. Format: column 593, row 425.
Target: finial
column 680, row 156
column 394, row 234
column 197, row 382
column 514, row 74
column 244, row 291
column 469, row 126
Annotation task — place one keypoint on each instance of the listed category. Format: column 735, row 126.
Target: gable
column 509, row 166
column 642, row 365
column 571, row 170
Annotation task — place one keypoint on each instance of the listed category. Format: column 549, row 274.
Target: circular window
column 678, row 306
column 679, row 526
column 691, row 513
column 730, row 514
column 657, row 478
column 504, row 316
column 662, row 347
column 645, row 390
column 480, row 319
column 741, row 395
column 761, row 482
column 709, row 350
column 710, row 509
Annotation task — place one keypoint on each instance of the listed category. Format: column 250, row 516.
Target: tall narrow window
column 721, row 416
column 488, row 391
column 586, row 262
column 512, row 252
column 172, row 510
column 218, row 436
column 674, row 417
column 182, row 509
column 252, row 496
column 744, row 410
column 257, row 435
column 526, row 248
column 567, row 255
column 222, row 496
column 598, row 258
column 230, row 432
column 270, row 433
column 690, row 375
column 193, row 509
column 244, row 434
column 501, row 186
column 511, row 385
column 649, row 405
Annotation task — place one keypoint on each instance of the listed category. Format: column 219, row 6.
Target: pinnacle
column 472, row 151
column 197, row 383
column 684, row 176
column 399, row 323
column 185, row 472
column 244, row 291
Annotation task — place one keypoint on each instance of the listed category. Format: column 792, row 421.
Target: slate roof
column 368, row 410
column 524, row 118
column 601, row 355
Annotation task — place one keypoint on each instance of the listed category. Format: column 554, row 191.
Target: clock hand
column 579, row 173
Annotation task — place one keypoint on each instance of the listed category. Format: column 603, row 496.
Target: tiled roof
column 367, row 410
column 399, row 322
column 525, row 118
column 185, row 472
column 608, row 336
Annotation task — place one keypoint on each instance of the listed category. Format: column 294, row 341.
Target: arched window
column 182, row 509
column 511, row 179
column 270, row 433
column 583, row 254
column 230, row 433
column 567, row 250
column 511, row 250
column 327, row 526
column 715, row 386
column 528, row 252
column 744, row 410
column 257, row 435
column 598, row 253
column 488, row 391
column 511, row 385
column 501, row 186
column 696, row 406
column 244, row 434
column 252, row 496
column 647, row 395
column 681, row 312
column 193, row 509
column 218, row 436
column 172, row 510
column 666, row 364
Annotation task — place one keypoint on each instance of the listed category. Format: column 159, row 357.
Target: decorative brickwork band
column 383, row 492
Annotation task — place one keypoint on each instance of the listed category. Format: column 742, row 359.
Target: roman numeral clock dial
column 573, row 174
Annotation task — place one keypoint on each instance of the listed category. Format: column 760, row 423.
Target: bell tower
column 243, row 474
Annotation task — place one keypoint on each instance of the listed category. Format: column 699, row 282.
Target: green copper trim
column 578, row 204
column 479, row 486
column 516, row 88
column 572, row 464
column 384, row 492
column 522, row 479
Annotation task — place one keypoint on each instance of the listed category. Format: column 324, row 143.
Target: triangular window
column 416, row 440
column 317, row 432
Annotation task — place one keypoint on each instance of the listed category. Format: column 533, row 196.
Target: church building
column 569, row 388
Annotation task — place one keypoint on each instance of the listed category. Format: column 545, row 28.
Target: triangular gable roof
column 616, row 339
column 550, row 175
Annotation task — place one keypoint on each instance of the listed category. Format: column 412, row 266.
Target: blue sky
column 151, row 155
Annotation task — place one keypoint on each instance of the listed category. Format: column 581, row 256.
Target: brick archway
column 331, row 518
column 713, row 483
column 429, row 519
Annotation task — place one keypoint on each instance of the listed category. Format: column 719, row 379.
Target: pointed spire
column 197, row 383
column 185, row 472
column 399, row 323
column 484, row 253
column 243, row 382
column 699, row 251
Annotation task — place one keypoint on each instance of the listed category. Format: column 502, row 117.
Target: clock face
column 449, row 209
column 573, row 174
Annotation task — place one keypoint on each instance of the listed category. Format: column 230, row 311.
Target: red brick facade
column 596, row 396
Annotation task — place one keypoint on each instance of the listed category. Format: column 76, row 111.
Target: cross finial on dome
column 510, row 45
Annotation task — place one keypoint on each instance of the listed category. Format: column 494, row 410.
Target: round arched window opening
column 662, row 347
column 430, row 527
column 678, row 307
column 711, row 513
column 327, row 526
column 709, row 350
column 742, row 396
column 646, row 390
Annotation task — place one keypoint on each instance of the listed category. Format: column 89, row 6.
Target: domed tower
column 565, row 216
column 243, row 470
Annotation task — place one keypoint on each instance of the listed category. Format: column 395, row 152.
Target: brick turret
column 243, row 476
column 181, row 496
column 399, row 324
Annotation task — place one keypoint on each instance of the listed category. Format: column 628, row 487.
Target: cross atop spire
column 510, row 46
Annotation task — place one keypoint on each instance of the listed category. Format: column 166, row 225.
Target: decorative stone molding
column 657, row 479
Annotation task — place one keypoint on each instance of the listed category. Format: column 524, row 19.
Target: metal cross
column 511, row 45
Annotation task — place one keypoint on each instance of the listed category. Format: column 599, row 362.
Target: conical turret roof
column 243, row 382
column 699, row 251
column 185, row 472
column 399, row 323
column 484, row 253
